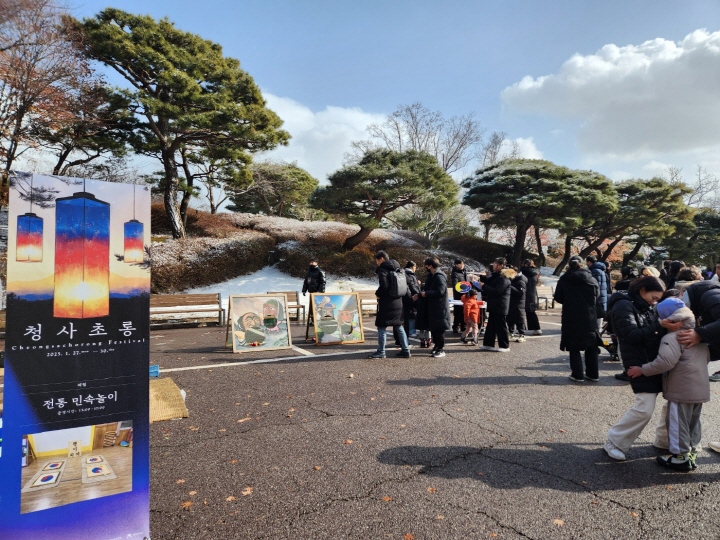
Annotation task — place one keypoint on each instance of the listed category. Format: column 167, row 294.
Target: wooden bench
column 293, row 304
column 368, row 301
column 164, row 306
column 546, row 293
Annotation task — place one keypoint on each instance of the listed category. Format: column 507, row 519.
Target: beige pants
column 628, row 429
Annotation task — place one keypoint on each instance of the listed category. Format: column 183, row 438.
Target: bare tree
column 705, row 191
column 492, row 151
column 453, row 141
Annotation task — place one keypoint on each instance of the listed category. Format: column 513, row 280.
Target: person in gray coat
column 685, row 386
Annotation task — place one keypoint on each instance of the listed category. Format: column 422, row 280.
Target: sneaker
column 502, row 349
column 432, row 352
column 482, row 331
column 520, row 339
column 403, row 354
column 677, row 462
column 488, row 348
column 463, row 340
column 614, row 452
column 537, row 333
column 576, row 379
column 474, row 341
column 593, row 379
column 455, row 330
column 623, row 377
column 377, row 355
column 439, row 354
column 715, row 377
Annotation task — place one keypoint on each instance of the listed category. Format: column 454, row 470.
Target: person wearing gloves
column 685, row 386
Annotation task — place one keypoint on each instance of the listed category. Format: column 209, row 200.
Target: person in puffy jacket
column 685, row 386
column 496, row 294
column 390, row 310
column 577, row 291
column 409, row 309
column 434, row 309
column 597, row 269
column 314, row 279
column 516, row 314
column 532, row 302
column 471, row 316
column 639, row 332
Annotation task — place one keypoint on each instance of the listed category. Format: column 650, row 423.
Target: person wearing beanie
column 685, row 386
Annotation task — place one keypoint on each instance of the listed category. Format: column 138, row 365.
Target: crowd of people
column 666, row 325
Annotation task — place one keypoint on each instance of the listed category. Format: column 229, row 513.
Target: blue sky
column 623, row 87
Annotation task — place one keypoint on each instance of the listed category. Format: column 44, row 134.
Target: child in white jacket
column 685, row 386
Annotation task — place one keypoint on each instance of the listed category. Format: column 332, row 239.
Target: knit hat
column 669, row 306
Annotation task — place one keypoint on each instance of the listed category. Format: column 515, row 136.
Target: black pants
column 591, row 363
column 458, row 318
column 496, row 326
column 438, row 337
column 516, row 322
column 533, row 323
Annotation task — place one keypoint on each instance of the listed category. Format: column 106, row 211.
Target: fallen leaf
column 247, row 491
column 186, row 505
column 181, row 481
column 233, row 461
column 205, row 502
column 372, row 399
column 265, row 404
column 584, row 482
column 493, row 535
column 222, row 429
column 402, row 425
column 317, row 467
column 291, row 409
column 562, row 431
column 670, row 487
column 193, row 428
column 351, row 376
column 548, row 440
column 244, row 420
column 386, row 498
column 382, row 436
column 439, row 517
column 634, row 514
column 431, row 490
column 192, row 493
column 288, row 397
column 594, row 502
column 558, row 522
column 408, row 536
column 347, row 441
column 230, row 498
column 480, row 474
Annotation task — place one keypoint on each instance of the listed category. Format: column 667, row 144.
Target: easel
column 310, row 322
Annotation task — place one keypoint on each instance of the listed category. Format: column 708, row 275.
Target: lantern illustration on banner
column 82, row 257
column 134, row 246
column 29, row 235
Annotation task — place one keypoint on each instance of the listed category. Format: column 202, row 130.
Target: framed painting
column 259, row 322
column 337, row 318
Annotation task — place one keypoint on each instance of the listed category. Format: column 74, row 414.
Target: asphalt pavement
column 323, row 443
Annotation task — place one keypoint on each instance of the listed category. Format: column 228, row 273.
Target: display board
column 259, row 322
column 76, row 361
column 337, row 317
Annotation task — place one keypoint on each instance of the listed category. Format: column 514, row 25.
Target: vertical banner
column 74, row 461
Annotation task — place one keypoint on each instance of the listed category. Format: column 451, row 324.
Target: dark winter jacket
column 704, row 299
column 639, row 333
column 577, row 291
column 456, row 276
column 518, row 288
column 434, row 309
column 531, row 296
column 496, row 293
column 390, row 310
column 598, row 272
column 409, row 310
column 314, row 280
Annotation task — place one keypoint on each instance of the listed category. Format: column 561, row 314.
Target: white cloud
column 526, row 147
column 634, row 102
column 319, row 139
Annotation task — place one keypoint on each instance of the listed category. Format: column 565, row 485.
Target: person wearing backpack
column 392, row 287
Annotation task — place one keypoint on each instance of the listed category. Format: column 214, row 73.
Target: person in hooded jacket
column 577, row 291
column 532, row 302
column 314, row 279
column 434, row 309
column 639, row 333
column 597, row 269
column 703, row 299
column 390, row 310
column 496, row 294
column 516, row 314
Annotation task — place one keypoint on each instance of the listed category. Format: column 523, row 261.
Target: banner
column 74, row 462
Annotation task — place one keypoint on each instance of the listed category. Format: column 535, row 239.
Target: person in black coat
column 314, row 279
column 457, row 275
column 532, row 302
column 516, row 314
column 703, row 298
column 434, row 312
column 597, row 269
column 496, row 294
column 577, row 291
column 409, row 311
column 639, row 334
column 390, row 310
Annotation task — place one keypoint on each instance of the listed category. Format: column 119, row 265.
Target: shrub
column 475, row 247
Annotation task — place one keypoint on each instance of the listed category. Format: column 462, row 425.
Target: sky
column 623, row 87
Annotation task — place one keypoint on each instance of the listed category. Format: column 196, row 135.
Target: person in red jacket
column 471, row 316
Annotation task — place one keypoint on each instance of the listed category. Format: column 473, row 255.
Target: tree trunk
column 171, row 193
column 355, row 240
column 630, row 256
column 611, row 246
column 566, row 256
column 538, row 241
column 520, row 237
